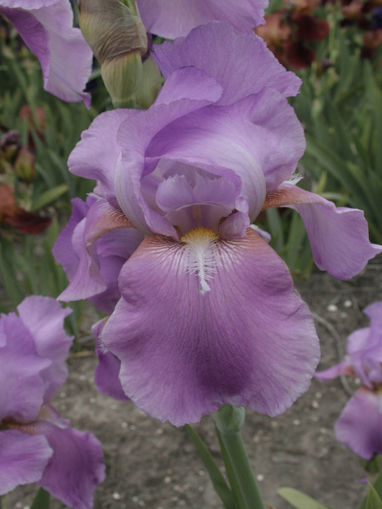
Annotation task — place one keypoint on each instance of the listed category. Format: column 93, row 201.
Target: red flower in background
column 17, row 217
column 289, row 31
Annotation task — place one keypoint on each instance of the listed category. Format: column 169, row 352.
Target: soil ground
column 154, row 465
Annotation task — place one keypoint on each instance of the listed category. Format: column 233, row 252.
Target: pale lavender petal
column 23, row 458
column 92, row 251
column 177, row 98
column 44, row 318
column 76, row 466
column 107, row 371
column 256, row 138
column 337, row 370
column 90, row 160
column 171, row 19
column 64, row 55
column 374, row 312
column 360, row 424
column 22, row 386
column 240, row 62
column 339, row 236
column 248, row 341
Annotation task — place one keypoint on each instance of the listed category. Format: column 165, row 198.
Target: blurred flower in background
column 360, row 424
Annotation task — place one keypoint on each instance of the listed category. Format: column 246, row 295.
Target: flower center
column 200, row 245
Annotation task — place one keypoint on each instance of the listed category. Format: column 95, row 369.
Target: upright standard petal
column 226, row 326
column 339, row 236
column 23, row 458
column 76, row 466
column 44, row 318
column 360, row 424
column 171, row 19
column 22, row 386
column 47, row 29
column 240, row 62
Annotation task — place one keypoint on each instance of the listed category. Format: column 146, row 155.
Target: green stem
column 219, row 483
column 229, row 421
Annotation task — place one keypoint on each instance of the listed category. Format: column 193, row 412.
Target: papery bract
column 46, row 27
column 36, row 445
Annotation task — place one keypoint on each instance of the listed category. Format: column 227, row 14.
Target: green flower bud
column 25, row 165
column 116, row 34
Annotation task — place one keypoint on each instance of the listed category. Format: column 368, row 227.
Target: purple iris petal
column 76, row 466
column 44, row 318
column 226, row 326
column 89, row 159
column 174, row 19
column 22, row 386
column 360, row 424
column 338, row 236
column 23, row 458
column 240, row 62
column 47, row 29
column 92, row 249
column 107, row 372
column 339, row 369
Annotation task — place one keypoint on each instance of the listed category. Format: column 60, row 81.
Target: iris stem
column 229, row 421
column 217, row 478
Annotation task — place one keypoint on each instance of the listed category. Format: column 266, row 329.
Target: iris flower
column 207, row 312
column 360, row 423
column 46, row 26
column 36, row 444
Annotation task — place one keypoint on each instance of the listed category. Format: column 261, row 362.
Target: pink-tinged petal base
column 360, row 424
column 343, row 368
column 76, row 467
column 339, row 236
column 23, row 458
column 245, row 337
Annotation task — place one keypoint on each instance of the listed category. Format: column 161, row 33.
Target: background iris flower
column 36, row 444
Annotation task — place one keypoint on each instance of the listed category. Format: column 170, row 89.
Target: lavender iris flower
column 36, row 444
column 208, row 313
column 360, row 424
column 46, row 27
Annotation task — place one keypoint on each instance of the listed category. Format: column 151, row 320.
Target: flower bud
column 118, row 39
column 25, row 165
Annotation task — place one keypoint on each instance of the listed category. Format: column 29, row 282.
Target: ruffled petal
column 175, row 19
column 185, row 91
column 339, row 236
column 92, row 253
column 256, row 138
column 360, row 424
column 44, row 318
column 240, row 62
column 23, row 458
column 90, row 160
column 47, row 29
column 107, row 371
column 22, row 386
column 76, row 466
column 244, row 337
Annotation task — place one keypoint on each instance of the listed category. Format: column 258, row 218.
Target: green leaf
column 217, row 478
column 372, row 500
column 41, row 500
column 299, row 500
column 49, row 196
